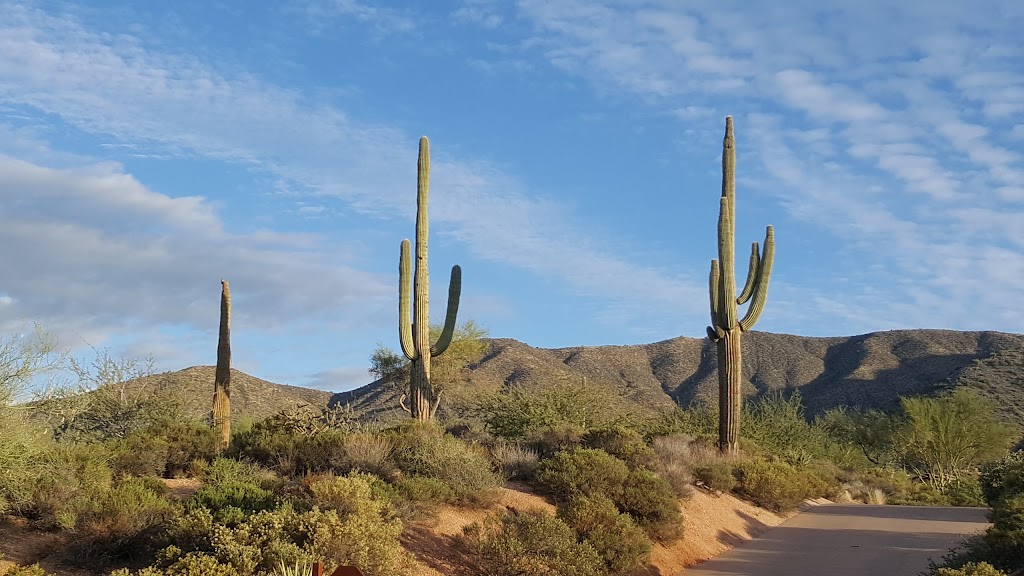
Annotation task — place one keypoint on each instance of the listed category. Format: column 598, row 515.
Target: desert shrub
column 971, row 569
column 652, row 502
column 965, row 491
column 426, row 451
column 350, row 495
column 71, row 474
column 120, row 522
column 716, row 475
column 277, row 446
column 423, row 489
column 514, row 461
column 1005, row 537
column 675, row 461
column 259, row 544
column 777, row 486
column 550, row 439
column 225, row 470
column 1002, row 477
column 231, row 501
column 624, row 443
column 777, row 424
column 366, row 452
column 167, row 448
column 584, row 471
column 621, row 544
column 33, row 570
column 140, row 455
column 530, row 543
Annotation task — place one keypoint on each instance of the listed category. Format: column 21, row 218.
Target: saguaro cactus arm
column 454, row 292
column 404, row 301
column 760, row 291
column 755, row 262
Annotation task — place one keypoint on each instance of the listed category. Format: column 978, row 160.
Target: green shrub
column 33, row 570
column 777, row 486
column 71, row 475
column 583, row 471
column 140, row 454
column 231, row 501
column 422, row 490
column 288, row 453
column 224, row 470
column 624, row 443
column 259, row 544
column 531, row 543
column 621, row 544
column 972, row 569
column 1006, row 536
column 1003, row 477
column 348, row 495
column 965, row 492
column 426, row 451
column 716, row 475
column 652, row 502
column 119, row 522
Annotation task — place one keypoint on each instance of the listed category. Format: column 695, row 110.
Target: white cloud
column 877, row 122
column 91, row 250
column 165, row 103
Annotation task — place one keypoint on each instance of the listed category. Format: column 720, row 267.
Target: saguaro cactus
column 725, row 329
column 222, row 376
column 414, row 330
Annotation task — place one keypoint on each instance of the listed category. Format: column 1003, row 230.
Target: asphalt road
column 850, row 540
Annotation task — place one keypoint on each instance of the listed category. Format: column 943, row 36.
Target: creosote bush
column 425, row 450
column 618, row 540
column 528, row 543
column 584, row 471
column 121, row 522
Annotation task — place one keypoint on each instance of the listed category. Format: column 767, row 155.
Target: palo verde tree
column 221, row 413
column 414, row 328
column 726, row 329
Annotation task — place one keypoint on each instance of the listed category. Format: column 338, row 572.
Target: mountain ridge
column 870, row 370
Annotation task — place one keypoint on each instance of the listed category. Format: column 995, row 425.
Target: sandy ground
column 712, row 524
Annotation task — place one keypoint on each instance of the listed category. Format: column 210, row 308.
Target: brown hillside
column 249, row 395
column 871, row 370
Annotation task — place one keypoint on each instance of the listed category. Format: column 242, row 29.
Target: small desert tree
column 946, row 437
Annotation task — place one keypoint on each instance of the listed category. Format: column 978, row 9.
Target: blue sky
column 145, row 153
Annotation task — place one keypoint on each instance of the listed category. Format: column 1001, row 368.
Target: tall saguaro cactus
column 725, row 329
column 414, row 330
column 222, row 375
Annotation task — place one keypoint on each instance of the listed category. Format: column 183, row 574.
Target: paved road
column 850, row 540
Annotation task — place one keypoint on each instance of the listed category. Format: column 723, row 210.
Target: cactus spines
column 725, row 329
column 413, row 303
column 221, row 413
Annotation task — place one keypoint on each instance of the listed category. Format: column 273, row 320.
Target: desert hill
column 249, row 395
column 870, row 370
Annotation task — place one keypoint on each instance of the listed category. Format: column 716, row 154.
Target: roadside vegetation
column 329, row 486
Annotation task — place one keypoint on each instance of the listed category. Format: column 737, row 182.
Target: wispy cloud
column 877, row 122
column 167, row 103
column 323, row 15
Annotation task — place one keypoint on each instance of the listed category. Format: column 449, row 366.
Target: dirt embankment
column 712, row 524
